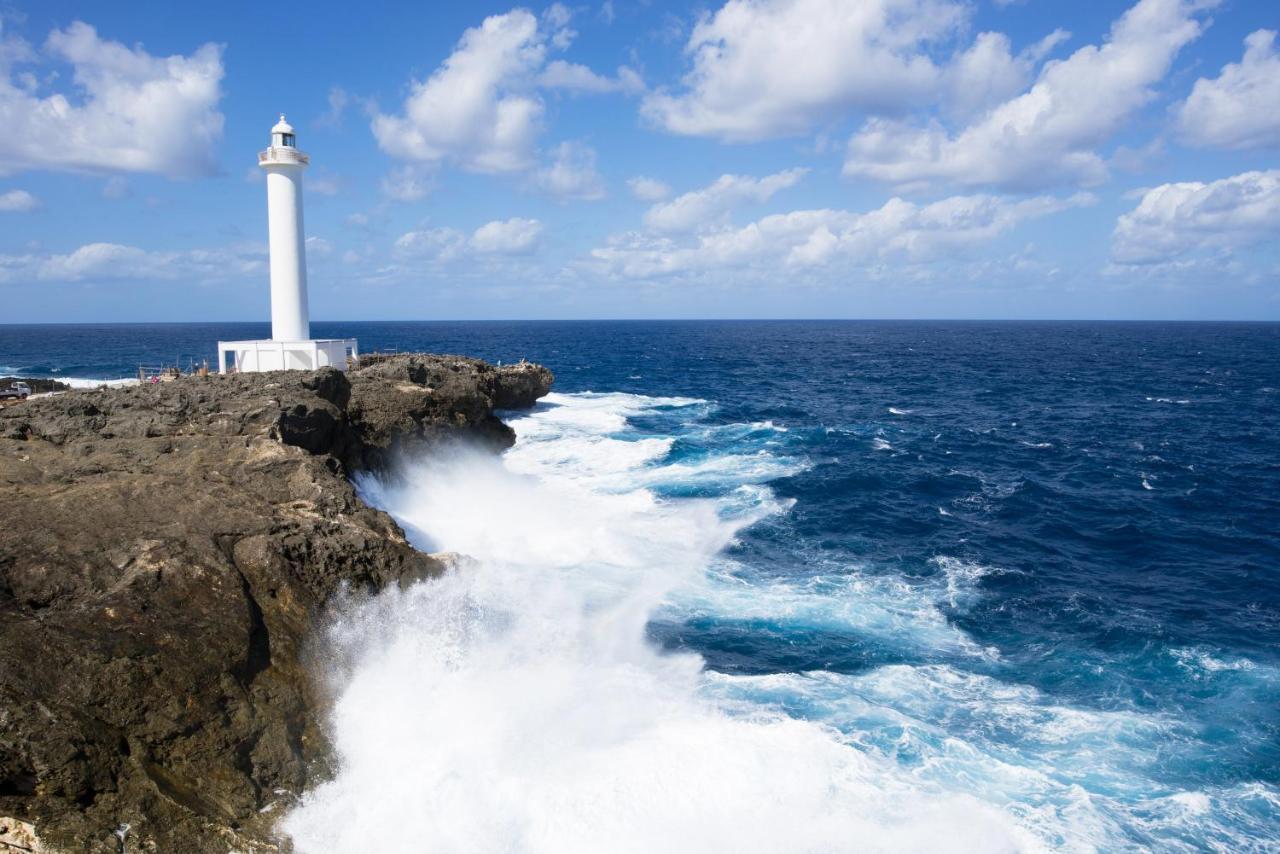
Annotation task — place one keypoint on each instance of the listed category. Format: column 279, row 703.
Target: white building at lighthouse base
column 271, row 355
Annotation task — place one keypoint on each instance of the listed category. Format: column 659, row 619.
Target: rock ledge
column 166, row 551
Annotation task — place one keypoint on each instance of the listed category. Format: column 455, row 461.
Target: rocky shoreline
column 167, row 551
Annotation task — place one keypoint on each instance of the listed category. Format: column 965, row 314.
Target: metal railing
column 282, row 154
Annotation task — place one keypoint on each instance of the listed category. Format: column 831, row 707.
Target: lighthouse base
column 270, row 355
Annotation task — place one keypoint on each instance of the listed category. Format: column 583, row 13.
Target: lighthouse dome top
column 282, row 126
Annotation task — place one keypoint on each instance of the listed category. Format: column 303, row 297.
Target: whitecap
column 517, row 705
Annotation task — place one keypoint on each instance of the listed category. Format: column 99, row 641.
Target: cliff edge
column 165, row 553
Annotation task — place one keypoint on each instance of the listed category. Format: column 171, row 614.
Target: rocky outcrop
column 166, row 551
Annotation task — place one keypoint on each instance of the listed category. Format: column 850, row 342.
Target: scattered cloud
column 18, row 201
column 339, row 100
column 1240, row 108
column 1048, row 135
column 578, row 78
column 438, row 244
column 318, row 247
column 709, row 206
column 500, row 237
column 900, row 231
column 481, row 108
column 1175, row 220
column 989, row 73
column 410, row 182
column 648, row 189
column 507, row 237
column 762, row 70
column 103, row 262
column 126, row 111
column 572, row 174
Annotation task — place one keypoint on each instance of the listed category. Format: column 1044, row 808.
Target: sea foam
column 516, row 704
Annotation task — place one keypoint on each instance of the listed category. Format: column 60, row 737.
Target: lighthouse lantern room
column 291, row 345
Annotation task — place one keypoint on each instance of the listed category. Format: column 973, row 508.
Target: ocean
column 810, row 587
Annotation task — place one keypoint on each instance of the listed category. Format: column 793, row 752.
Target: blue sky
column 811, row 158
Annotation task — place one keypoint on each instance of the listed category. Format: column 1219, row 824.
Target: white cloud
column 1049, row 134
column 1240, row 108
column 765, row 68
column 648, row 189
column 475, row 108
column 18, row 201
column 441, row 244
column 1175, row 220
column 101, row 262
column 709, row 206
column 572, row 175
column 898, row 231
column 481, row 108
column 318, row 247
column 129, row 111
column 507, row 237
column 988, row 73
column 410, row 182
column 578, row 78
column 500, row 237
column 339, row 100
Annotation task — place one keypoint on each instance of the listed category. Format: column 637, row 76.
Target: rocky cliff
column 165, row 552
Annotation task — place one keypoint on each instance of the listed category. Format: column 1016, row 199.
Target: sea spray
column 516, row 705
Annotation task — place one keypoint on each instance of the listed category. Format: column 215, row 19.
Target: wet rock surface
column 167, row 551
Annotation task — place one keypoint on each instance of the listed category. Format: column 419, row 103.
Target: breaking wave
column 614, row 670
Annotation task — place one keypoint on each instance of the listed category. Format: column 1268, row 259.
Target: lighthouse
column 291, row 345
column 283, row 163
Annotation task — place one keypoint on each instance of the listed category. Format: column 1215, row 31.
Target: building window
column 287, row 139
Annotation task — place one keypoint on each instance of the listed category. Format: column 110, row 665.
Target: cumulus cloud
column 578, row 78
column 439, row 244
column 770, row 68
column 481, row 108
column 475, row 107
column 648, row 189
column 898, row 231
column 126, row 109
column 103, row 262
column 514, row 236
column 708, row 206
column 572, row 174
column 711, row 205
column 507, row 237
column 1240, row 108
column 1175, row 220
column 989, row 73
column 1047, row 135
column 18, row 201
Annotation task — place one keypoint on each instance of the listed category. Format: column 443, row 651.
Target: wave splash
column 516, row 705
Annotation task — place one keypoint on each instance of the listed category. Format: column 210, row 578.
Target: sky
column 623, row 159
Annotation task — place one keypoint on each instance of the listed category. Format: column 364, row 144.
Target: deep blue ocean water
column 1050, row 549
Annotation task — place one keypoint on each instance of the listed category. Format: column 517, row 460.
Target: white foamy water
column 88, row 382
column 516, row 704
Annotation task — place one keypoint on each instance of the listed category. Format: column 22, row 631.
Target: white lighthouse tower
column 291, row 345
